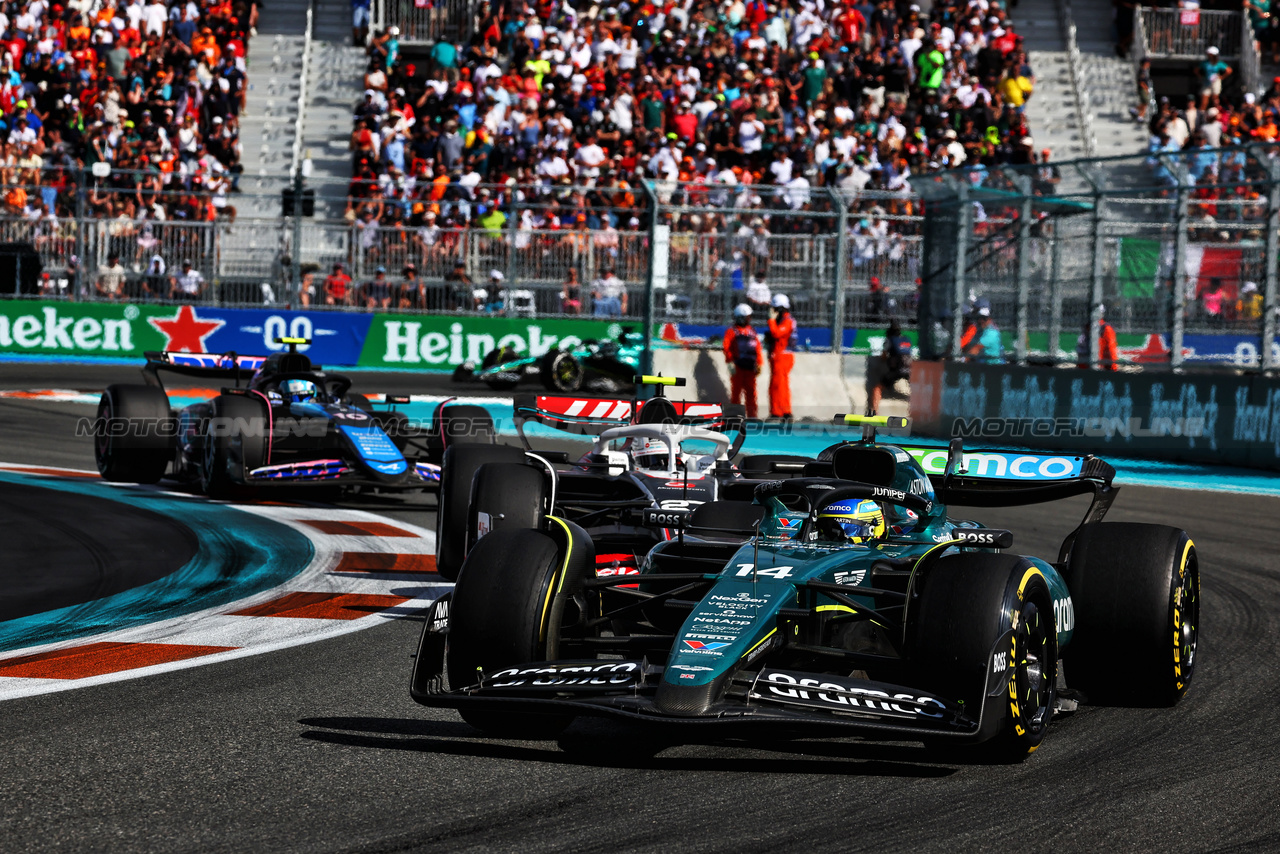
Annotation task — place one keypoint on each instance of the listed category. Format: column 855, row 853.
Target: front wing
column 422, row 475
column 767, row 697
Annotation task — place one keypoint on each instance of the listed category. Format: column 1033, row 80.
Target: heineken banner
column 338, row 338
column 429, row 342
column 115, row 329
column 433, row 341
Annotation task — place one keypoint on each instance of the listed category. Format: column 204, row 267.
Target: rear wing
column 589, row 416
column 1005, row 478
column 207, row 366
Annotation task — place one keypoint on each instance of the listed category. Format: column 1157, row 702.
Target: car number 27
column 678, row 504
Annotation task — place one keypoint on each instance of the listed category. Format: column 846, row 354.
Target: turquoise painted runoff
column 239, row 554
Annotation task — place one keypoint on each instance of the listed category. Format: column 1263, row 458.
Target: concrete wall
column 822, row 384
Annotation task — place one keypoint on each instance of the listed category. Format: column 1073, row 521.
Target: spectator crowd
column 555, row 111
column 140, row 100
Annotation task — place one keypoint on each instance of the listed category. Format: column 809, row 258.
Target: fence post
column 215, row 281
column 1269, row 287
column 295, row 273
column 1179, row 278
column 1022, row 279
column 842, row 257
column 81, row 284
column 1095, row 283
column 511, row 250
column 962, row 260
column 646, row 355
column 1055, row 292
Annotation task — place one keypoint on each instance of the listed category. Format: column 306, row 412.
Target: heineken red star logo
column 185, row 331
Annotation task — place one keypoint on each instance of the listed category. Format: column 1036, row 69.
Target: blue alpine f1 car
column 845, row 599
column 282, row 421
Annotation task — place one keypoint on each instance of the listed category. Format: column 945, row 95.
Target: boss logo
column 655, row 518
column 993, row 537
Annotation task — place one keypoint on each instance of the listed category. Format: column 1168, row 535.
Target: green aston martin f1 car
column 606, row 365
column 842, row 597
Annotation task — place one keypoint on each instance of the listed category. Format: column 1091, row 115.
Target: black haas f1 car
column 842, row 601
column 650, row 460
column 289, row 424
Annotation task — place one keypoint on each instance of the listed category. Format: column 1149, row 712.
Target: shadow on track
column 588, row 744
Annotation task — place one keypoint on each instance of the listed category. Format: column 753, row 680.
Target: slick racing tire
column 235, row 436
column 133, row 435
column 505, row 496
column 499, row 618
column 462, row 422
column 969, row 602
column 562, row 372
column 458, row 469
column 1135, row 589
column 503, row 381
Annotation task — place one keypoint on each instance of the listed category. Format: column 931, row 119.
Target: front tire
column 505, row 496
column 1136, row 592
column 458, row 469
column 500, row 617
column 969, row 603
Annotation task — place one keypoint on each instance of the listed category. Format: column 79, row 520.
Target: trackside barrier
column 1225, row 419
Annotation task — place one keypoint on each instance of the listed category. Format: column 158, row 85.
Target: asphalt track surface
column 64, row 549
column 319, row 748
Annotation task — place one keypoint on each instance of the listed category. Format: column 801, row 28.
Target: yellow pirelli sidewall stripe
column 554, row 589
column 1178, row 606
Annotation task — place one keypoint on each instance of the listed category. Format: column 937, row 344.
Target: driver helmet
column 856, row 520
column 299, row 391
column 650, row 454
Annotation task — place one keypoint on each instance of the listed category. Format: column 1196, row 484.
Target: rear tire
column 141, row 417
column 968, row 603
column 562, row 372
column 460, row 422
column 499, row 618
column 497, row 357
column 505, row 496
column 1134, row 588
column 458, row 469
column 235, row 435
